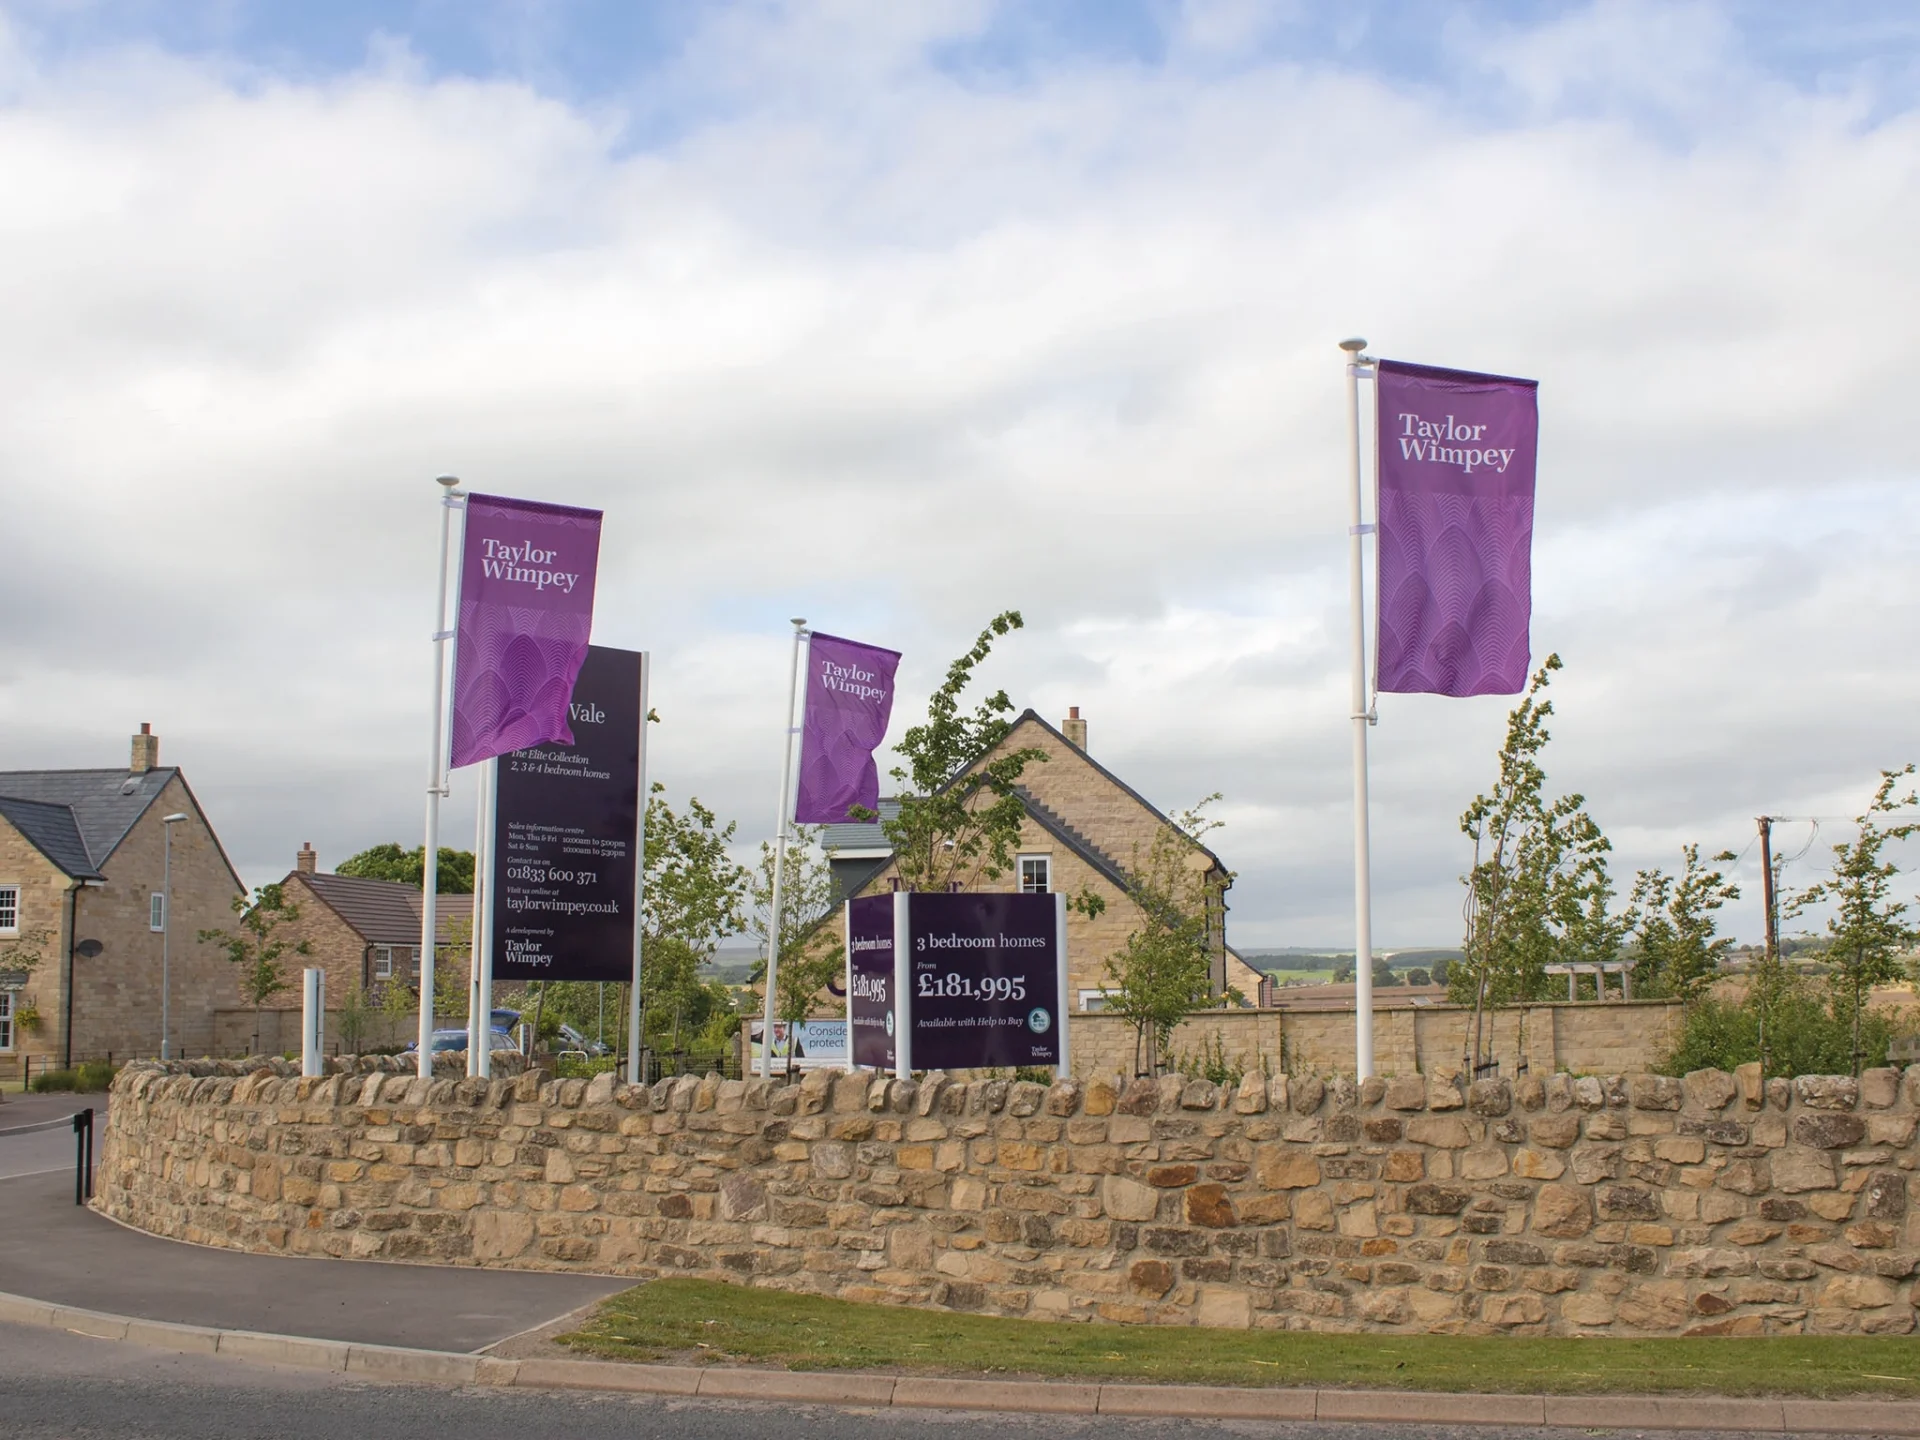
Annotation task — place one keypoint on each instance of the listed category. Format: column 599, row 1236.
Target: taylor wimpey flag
column 526, row 609
column 1456, row 529
column 849, row 697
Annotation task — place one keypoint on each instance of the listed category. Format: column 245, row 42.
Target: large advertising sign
column 873, row 1012
column 985, row 981
column 957, row 981
column 563, row 885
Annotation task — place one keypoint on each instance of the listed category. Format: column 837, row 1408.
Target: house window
column 6, row 1021
column 383, row 962
column 9, row 909
column 1092, row 1000
column 157, row 911
column 1036, row 874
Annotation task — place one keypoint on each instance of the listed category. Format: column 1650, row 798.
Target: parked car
column 572, row 1039
column 456, row 1040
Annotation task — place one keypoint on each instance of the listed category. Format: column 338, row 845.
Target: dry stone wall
column 1641, row 1204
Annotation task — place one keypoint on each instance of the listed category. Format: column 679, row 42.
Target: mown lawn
column 703, row 1322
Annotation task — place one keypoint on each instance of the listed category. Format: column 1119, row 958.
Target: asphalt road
column 26, row 1150
column 54, row 1384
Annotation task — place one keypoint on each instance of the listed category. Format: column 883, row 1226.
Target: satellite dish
column 88, row 948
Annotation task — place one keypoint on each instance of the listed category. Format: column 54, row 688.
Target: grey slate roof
column 384, row 912
column 853, row 835
column 104, row 803
column 51, row 830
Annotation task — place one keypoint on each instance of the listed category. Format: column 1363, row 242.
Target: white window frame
column 1092, row 1001
column 157, row 911
column 10, row 904
column 6, row 1022
column 383, row 962
column 1020, row 873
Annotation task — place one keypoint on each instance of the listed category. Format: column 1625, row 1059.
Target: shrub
column 1804, row 1036
column 91, row 1078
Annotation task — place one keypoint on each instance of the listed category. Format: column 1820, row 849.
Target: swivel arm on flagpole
column 782, row 821
column 1361, row 713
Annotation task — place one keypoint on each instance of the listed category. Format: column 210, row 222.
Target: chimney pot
column 1074, row 728
column 146, row 750
column 307, row 860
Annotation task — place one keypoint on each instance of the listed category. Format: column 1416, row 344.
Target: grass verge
column 704, row 1323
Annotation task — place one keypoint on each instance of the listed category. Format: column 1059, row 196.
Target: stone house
column 85, row 860
column 365, row 932
column 1084, row 828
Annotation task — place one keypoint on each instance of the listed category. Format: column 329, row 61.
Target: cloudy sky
column 894, row 316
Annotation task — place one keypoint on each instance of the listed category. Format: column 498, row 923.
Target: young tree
column 1165, row 969
column 257, row 948
column 695, row 897
column 353, row 1017
column 1868, row 932
column 1539, row 886
column 1677, row 950
column 397, row 1006
column 811, row 952
column 453, row 875
column 959, row 821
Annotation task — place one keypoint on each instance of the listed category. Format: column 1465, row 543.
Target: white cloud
column 863, row 342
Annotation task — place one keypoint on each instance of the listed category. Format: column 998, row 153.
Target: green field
column 700, row 1322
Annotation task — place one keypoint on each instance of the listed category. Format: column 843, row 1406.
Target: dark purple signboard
column 985, row 972
column 563, row 884
column 870, row 997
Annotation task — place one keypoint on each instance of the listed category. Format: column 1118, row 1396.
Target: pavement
column 66, row 1269
column 55, row 1251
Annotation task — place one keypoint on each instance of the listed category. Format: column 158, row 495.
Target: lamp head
column 1354, row 346
column 173, row 819
column 447, row 480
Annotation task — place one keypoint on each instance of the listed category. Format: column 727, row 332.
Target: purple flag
column 1456, row 463
column 849, row 697
column 526, row 608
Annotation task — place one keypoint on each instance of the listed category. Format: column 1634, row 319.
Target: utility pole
column 1765, row 823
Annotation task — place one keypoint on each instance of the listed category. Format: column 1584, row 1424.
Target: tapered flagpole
column 480, row 1006
column 784, row 819
column 1359, row 364
column 450, row 500
column 636, row 1005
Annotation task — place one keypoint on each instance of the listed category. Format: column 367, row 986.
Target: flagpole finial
column 1354, row 346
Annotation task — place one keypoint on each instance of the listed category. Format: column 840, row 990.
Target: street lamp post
column 167, row 823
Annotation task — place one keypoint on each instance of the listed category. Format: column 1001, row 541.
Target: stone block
column 1406, row 1092
column 1654, row 1092
column 1827, row 1092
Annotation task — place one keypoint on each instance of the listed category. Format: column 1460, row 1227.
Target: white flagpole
column 636, row 1012
column 1357, row 365
column 480, row 1008
column 450, row 500
column 784, row 819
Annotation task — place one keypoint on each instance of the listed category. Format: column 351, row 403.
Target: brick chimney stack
column 1074, row 728
column 307, row 860
column 146, row 750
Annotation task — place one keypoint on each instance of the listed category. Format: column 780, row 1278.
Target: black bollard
column 83, row 1156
